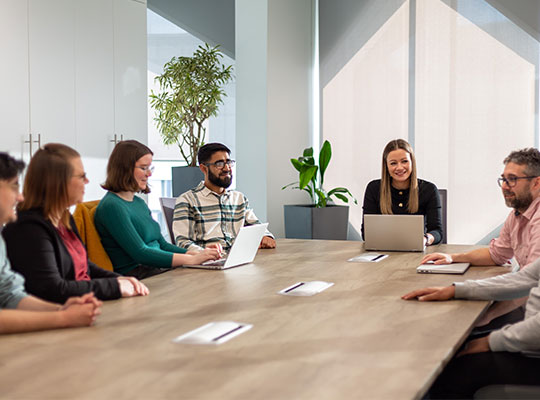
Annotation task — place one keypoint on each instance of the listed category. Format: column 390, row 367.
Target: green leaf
column 308, row 152
column 297, row 164
column 306, row 174
column 341, row 197
column 324, row 158
column 290, row 184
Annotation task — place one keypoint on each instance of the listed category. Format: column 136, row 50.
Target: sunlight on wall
column 474, row 104
column 365, row 106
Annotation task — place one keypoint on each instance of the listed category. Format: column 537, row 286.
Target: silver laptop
column 394, row 232
column 455, row 268
column 243, row 250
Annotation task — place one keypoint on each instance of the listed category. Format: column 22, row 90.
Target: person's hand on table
column 87, row 298
column 431, row 294
column 480, row 345
column 437, row 258
column 130, row 286
column 267, row 243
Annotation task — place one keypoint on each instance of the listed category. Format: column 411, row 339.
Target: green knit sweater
column 130, row 236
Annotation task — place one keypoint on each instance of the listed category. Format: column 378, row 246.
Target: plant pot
column 185, row 178
column 309, row 222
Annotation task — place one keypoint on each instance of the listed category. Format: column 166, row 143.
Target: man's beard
column 518, row 202
column 223, row 182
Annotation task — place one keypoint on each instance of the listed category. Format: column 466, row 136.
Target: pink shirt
column 520, row 237
column 77, row 252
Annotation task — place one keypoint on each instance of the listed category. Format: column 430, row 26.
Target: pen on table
column 227, row 333
column 294, row 287
column 379, row 256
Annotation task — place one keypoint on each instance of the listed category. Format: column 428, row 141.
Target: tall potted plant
column 321, row 219
column 191, row 90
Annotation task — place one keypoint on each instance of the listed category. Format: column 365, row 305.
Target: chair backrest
column 444, row 207
column 84, row 219
column 167, row 206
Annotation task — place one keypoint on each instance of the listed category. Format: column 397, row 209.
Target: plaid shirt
column 202, row 216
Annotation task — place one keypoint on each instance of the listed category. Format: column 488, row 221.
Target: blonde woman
column 399, row 191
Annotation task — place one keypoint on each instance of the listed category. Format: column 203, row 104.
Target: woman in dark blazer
column 44, row 245
column 400, row 191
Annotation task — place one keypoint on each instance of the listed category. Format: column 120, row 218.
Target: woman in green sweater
column 130, row 236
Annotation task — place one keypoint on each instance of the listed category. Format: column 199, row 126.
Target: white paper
column 368, row 257
column 213, row 333
column 306, row 288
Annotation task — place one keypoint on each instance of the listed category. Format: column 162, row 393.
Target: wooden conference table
column 357, row 339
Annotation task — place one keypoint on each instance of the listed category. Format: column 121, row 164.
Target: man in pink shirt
column 520, row 235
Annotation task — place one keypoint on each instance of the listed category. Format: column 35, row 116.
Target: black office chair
column 167, row 206
column 443, row 195
column 514, row 392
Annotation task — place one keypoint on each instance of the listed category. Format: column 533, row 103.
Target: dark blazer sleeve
column 39, row 254
column 433, row 212
column 371, row 201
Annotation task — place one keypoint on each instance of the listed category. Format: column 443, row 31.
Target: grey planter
column 309, row 222
column 185, row 178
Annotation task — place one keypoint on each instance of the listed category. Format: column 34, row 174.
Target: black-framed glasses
column 221, row 164
column 512, row 180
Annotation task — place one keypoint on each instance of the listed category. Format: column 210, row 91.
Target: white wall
column 457, row 78
column 273, row 65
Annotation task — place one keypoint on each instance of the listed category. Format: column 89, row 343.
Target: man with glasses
column 520, row 234
column 210, row 215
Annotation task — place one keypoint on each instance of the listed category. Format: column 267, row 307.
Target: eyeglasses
column 81, row 176
column 146, row 169
column 512, row 180
column 221, row 164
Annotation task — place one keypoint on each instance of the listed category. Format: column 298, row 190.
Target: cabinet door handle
column 38, row 141
column 29, row 141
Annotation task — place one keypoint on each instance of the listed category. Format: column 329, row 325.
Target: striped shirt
column 202, row 216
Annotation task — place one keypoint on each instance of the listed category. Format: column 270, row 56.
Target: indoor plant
column 191, row 90
column 321, row 219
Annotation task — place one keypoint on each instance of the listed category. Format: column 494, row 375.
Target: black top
column 429, row 205
column 36, row 251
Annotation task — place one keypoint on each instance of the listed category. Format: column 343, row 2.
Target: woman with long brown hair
column 130, row 236
column 400, row 191
column 44, row 245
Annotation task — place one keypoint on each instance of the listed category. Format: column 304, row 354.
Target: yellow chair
column 84, row 219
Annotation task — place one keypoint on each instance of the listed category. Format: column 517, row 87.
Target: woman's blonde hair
column 385, row 200
column 46, row 181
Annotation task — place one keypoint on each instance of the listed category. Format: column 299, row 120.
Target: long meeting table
column 357, row 339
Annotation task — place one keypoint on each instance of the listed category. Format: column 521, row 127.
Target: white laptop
column 394, row 232
column 243, row 250
column 455, row 268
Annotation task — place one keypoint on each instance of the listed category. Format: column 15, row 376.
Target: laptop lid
column 244, row 248
column 455, row 268
column 394, row 232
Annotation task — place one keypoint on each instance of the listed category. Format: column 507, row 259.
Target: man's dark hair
column 529, row 157
column 9, row 166
column 205, row 152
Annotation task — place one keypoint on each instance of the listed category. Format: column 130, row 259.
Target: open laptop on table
column 243, row 250
column 394, row 232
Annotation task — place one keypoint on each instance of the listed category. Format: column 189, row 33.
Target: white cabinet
column 94, row 77
column 52, row 74
column 74, row 71
column 14, row 95
column 130, row 71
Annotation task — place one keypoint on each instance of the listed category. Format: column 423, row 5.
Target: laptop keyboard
column 221, row 261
